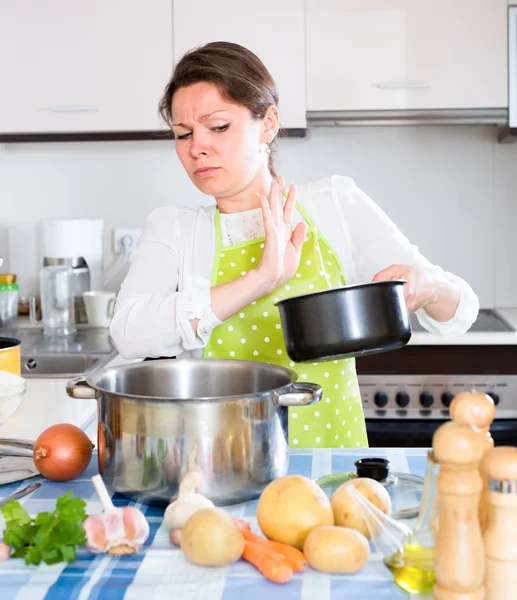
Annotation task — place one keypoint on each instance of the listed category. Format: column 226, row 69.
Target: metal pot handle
column 80, row 389
column 299, row 394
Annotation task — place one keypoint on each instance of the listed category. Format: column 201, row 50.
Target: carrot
column 270, row 563
column 294, row 557
column 241, row 524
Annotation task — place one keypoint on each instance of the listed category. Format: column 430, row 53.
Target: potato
column 346, row 511
column 211, row 538
column 290, row 507
column 336, row 549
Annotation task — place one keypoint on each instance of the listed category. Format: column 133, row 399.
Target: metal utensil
column 225, row 418
column 15, row 447
column 23, row 492
column 16, row 468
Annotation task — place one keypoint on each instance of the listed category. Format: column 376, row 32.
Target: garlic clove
column 113, row 521
column 136, row 525
column 96, row 541
column 5, row 551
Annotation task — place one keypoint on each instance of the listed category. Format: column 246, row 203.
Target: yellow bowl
column 10, row 356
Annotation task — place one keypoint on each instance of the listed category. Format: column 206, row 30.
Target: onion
column 62, row 452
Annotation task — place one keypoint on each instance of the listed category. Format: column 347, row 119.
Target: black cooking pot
column 349, row 321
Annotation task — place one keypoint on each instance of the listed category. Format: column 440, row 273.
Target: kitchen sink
column 62, row 356
column 62, row 365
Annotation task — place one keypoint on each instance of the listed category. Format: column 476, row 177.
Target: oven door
column 418, row 433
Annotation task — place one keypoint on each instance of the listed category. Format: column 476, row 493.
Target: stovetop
column 488, row 321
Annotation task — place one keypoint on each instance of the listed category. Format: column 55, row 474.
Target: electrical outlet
column 132, row 235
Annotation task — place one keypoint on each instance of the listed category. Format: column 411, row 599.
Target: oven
column 406, row 393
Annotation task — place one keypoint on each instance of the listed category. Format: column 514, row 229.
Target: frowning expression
column 217, row 141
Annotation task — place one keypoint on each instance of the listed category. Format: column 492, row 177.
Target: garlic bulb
column 187, row 503
column 116, row 531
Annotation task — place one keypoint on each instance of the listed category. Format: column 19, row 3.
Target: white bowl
column 9, row 405
column 11, row 399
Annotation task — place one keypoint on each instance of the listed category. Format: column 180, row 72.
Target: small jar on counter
column 8, row 304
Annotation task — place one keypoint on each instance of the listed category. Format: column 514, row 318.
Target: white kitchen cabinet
column 406, row 54
column 95, row 66
column 274, row 31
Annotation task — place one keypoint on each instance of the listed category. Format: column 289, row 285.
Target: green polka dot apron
column 255, row 333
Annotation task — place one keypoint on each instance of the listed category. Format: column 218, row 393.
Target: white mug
column 100, row 306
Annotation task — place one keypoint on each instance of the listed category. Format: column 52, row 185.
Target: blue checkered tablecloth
column 161, row 571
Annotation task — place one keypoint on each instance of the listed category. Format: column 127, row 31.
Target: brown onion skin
column 62, row 452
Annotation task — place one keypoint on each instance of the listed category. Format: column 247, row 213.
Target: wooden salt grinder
column 477, row 409
column 459, row 554
column 500, row 465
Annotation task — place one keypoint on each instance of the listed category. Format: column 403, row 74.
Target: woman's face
column 217, row 142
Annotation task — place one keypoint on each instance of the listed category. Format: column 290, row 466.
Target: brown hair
column 239, row 74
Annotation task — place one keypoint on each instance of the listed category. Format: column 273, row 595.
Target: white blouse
column 168, row 283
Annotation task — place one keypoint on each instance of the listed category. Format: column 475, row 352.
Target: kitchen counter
column 161, row 571
column 46, row 403
column 472, row 338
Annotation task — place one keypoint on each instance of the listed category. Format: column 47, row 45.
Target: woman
column 204, row 282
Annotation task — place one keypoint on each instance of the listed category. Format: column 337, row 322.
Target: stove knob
column 426, row 399
column 381, row 399
column 494, row 396
column 447, row 398
column 402, row 399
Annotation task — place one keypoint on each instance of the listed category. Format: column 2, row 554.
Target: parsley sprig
column 50, row 537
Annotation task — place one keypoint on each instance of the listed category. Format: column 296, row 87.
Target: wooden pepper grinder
column 459, row 553
column 477, row 409
column 500, row 465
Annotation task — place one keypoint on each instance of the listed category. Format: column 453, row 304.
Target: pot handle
column 79, row 388
column 299, row 394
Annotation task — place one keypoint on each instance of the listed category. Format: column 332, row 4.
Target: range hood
column 489, row 116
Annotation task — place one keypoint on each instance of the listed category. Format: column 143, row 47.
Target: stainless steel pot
column 353, row 320
column 225, row 418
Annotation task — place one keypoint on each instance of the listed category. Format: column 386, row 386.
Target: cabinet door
column 406, row 54
column 72, row 66
column 273, row 30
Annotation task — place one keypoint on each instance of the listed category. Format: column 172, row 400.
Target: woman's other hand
column 283, row 245
column 425, row 288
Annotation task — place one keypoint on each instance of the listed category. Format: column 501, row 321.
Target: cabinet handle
column 61, row 109
column 404, row 85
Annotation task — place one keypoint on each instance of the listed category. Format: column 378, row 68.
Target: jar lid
column 9, row 287
column 7, row 278
column 374, row 468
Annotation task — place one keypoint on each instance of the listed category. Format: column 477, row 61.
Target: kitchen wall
column 451, row 189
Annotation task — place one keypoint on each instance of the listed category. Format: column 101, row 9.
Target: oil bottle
column 413, row 567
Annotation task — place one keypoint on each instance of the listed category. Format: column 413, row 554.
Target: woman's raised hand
column 283, row 245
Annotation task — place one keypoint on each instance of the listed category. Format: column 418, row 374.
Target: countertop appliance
column 78, row 244
column 406, row 393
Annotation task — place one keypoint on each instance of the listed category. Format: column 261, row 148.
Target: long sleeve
column 156, row 302
column 367, row 241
